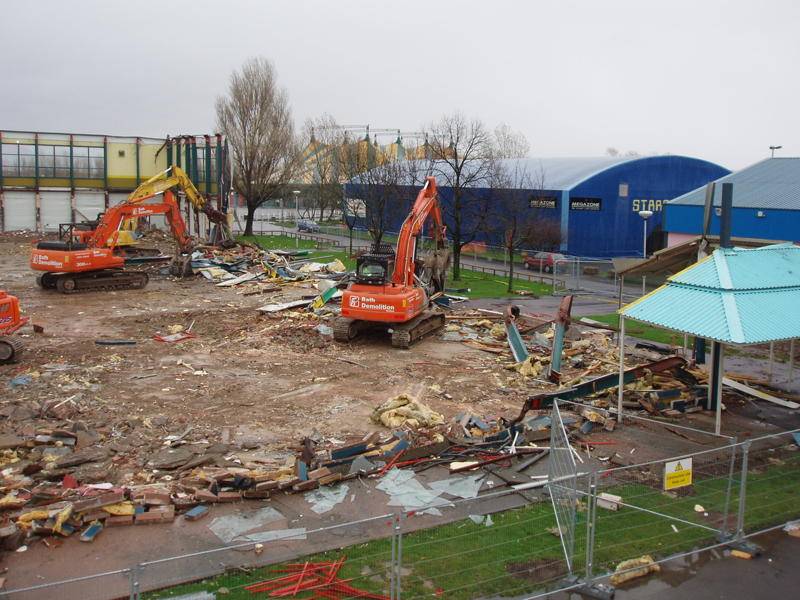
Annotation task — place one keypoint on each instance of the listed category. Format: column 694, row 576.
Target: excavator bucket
column 181, row 266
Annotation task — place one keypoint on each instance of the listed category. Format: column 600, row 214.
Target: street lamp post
column 773, row 148
column 296, row 202
column 645, row 214
column 297, row 212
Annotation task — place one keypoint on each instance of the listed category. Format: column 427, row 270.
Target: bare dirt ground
column 274, row 380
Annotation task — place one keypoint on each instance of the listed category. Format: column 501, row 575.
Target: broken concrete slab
column 171, row 458
column 9, row 441
column 81, row 457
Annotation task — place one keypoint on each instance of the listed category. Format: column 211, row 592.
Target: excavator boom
column 175, row 177
column 90, row 262
column 395, row 288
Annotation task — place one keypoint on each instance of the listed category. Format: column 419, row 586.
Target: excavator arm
column 175, row 177
column 108, row 227
column 394, row 289
column 426, row 206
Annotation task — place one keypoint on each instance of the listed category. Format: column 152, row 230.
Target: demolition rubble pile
column 589, row 366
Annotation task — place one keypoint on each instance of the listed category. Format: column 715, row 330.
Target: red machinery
column 393, row 289
column 88, row 260
column 10, row 321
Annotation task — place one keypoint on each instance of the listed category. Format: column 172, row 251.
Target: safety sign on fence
column 677, row 473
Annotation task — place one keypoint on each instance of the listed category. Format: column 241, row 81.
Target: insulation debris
column 634, row 568
column 405, row 411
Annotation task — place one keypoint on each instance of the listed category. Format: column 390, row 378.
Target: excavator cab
column 10, row 321
column 375, row 268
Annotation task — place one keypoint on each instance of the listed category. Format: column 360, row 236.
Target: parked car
column 307, row 225
column 543, row 261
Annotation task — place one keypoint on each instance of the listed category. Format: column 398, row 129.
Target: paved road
column 714, row 575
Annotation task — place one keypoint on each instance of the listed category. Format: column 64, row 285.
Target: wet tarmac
column 714, row 574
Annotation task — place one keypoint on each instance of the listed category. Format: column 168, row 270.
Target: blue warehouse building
column 595, row 201
column 766, row 204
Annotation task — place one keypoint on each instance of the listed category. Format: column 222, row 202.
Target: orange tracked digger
column 91, row 260
column 392, row 289
column 10, row 322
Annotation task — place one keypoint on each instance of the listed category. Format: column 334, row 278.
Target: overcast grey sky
column 712, row 79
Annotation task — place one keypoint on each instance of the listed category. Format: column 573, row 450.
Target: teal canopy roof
column 735, row 296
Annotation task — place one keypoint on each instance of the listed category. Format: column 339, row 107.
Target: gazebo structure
column 735, row 296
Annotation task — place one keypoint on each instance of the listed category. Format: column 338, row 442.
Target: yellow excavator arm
column 175, row 177
column 161, row 182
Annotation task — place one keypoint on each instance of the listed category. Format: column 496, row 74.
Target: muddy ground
column 257, row 384
column 273, row 380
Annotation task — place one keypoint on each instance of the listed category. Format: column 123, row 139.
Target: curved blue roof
column 549, row 173
column 564, row 173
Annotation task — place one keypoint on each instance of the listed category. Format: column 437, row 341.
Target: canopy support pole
column 791, row 361
column 621, row 386
column 771, row 359
column 715, row 384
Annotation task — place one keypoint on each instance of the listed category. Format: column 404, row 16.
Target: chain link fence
column 512, row 542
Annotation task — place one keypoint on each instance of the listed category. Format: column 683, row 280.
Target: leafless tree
column 611, row 151
column 257, row 120
column 509, row 143
column 383, row 195
column 520, row 203
column 353, row 211
column 461, row 158
column 322, row 169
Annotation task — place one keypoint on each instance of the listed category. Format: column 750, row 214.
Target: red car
column 542, row 261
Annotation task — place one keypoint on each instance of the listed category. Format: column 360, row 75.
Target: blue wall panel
column 616, row 230
column 781, row 225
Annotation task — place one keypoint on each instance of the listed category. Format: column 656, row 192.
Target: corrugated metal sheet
column 762, row 268
column 735, row 296
column 771, row 183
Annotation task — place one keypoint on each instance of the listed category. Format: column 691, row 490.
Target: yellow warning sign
column 678, row 474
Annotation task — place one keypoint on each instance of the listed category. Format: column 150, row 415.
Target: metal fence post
column 591, row 515
column 742, row 492
column 393, row 561
column 399, row 575
column 135, row 585
column 724, row 529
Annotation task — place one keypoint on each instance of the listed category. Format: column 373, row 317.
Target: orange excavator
column 10, row 322
column 393, row 289
column 91, row 260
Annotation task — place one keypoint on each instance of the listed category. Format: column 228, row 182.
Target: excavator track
column 10, row 349
column 344, row 329
column 47, row 281
column 100, row 281
column 405, row 334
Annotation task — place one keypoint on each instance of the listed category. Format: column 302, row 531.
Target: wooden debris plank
column 746, row 389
